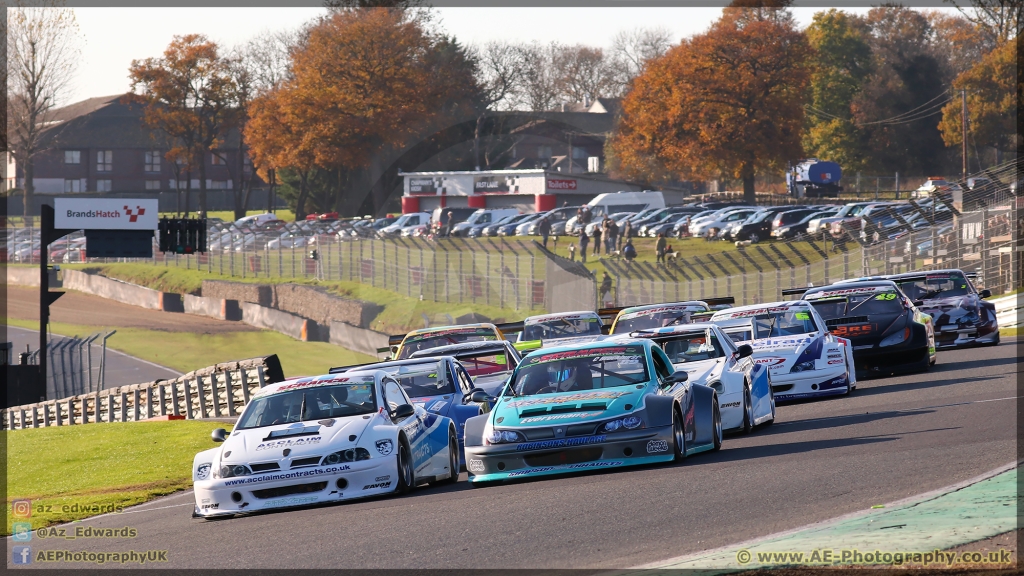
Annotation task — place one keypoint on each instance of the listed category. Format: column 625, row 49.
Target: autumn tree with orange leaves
column 363, row 82
column 190, row 96
column 728, row 102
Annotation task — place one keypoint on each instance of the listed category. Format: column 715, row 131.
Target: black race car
column 889, row 334
column 959, row 312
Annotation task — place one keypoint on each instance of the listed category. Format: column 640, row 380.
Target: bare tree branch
column 1000, row 17
column 42, row 58
column 632, row 50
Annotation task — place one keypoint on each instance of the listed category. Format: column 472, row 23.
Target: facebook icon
column 22, row 555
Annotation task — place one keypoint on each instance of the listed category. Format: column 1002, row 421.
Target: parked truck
column 813, row 178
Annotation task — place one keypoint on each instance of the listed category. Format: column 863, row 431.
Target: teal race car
column 591, row 406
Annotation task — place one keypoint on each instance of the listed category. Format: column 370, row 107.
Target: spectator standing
column 606, row 288
column 612, row 237
column 597, row 240
column 659, row 249
column 584, row 241
column 544, row 229
column 449, row 224
column 627, row 230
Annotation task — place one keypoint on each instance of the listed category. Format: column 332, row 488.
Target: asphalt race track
column 893, row 438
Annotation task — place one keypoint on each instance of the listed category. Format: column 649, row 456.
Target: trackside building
column 534, row 190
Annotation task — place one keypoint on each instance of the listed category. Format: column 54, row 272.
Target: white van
column 405, row 221
column 620, row 202
column 482, row 217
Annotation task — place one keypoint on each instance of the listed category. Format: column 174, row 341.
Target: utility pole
column 963, row 130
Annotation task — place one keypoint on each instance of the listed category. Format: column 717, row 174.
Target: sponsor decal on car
column 377, row 486
column 291, row 443
column 731, row 405
column 479, row 331
column 382, row 478
column 627, row 314
column 853, row 330
column 294, row 501
column 580, row 466
column 769, row 361
column 422, row 453
column 287, row 475
column 726, row 315
column 549, row 317
column 836, row 361
column 584, row 353
column 203, row 472
column 560, row 443
column 385, row 447
column 551, row 417
column 656, row 446
column 476, row 465
column 569, row 398
column 847, row 292
column 210, row 506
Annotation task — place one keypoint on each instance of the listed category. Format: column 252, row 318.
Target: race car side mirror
column 744, row 350
column 675, row 378
column 985, row 293
column 404, row 411
column 219, row 435
column 918, row 302
column 479, row 396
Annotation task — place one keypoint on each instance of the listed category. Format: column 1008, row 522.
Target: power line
column 925, row 110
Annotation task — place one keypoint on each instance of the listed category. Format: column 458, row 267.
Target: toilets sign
column 105, row 214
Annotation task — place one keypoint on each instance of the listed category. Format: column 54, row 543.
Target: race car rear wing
column 701, row 316
column 795, row 291
column 509, row 328
column 609, row 314
column 395, row 339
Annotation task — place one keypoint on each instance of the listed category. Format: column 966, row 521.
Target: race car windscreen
column 868, row 304
column 309, row 403
column 739, row 333
column 444, row 339
column 788, row 323
column 936, row 286
column 484, row 364
column 585, row 369
column 692, row 347
column 562, row 328
column 655, row 319
column 426, row 379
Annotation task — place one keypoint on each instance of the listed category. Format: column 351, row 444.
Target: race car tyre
column 748, row 411
column 453, row 460
column 771, row 400
column 678, row 436
column 849, row 388
column 718, row 429
column 406, row 479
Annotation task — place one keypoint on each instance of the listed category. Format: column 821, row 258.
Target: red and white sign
column 105, row 214
column 561, row 184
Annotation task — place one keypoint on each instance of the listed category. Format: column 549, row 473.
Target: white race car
column 324, row 439
column 562, row 328
column 709, row 357
column 792, row 341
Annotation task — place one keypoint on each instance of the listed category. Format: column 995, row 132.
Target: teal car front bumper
column 569, row 454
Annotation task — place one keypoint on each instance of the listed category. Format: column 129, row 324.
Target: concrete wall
column 243, row 292
column 122, row 291
column 283, row 322
column 306, row 301
column 212, row 307
column 357, row 339
column 23, row 276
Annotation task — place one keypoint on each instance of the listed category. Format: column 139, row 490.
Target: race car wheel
column 718, row 428
column 453, row 459
column 678, row 436
column 406, row 480
column 748, row 411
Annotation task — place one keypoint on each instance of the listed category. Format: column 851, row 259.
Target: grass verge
column 1009, row 332
column 185, row 351
column 99, row 467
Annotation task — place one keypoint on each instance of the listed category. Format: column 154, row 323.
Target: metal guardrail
column 1008, row 311
column 217, row 391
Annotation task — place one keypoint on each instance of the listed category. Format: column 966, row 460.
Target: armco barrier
column 283, row 322
column 212, row 307
column 1008, row 310
column 216, row 391
column 357, row 339
column 122, row 291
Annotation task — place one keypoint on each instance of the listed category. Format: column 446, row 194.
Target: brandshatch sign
column 105, row 214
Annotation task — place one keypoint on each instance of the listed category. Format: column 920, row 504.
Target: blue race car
column 591, row 406
column 440, row 386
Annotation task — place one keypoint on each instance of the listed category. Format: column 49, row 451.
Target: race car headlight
column 628, row 423
column 233, row 470
column 896, row 338
column 503, row 437
column 803, row 366
column 350, row 455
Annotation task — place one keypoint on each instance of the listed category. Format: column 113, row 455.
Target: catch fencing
column 213, row 392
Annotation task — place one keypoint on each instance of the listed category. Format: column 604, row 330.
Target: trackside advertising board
column 105, row 214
